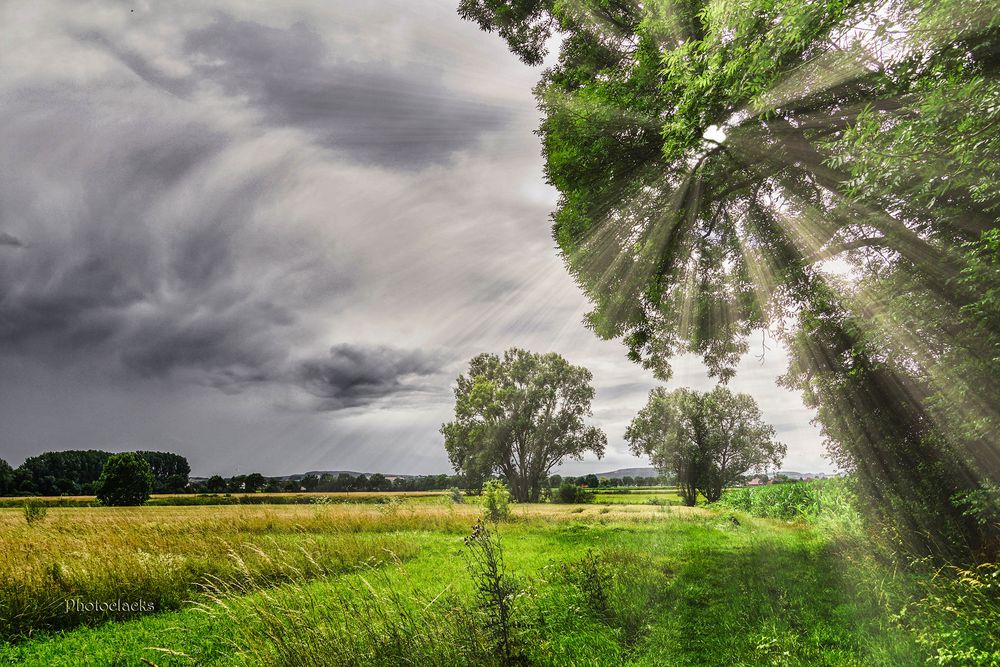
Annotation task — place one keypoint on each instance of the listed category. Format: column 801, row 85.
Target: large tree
column 520, row 415
column 709, row 440
column 826, row 170
column 127, row 479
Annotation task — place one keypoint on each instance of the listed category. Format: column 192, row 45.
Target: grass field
column 390, row 583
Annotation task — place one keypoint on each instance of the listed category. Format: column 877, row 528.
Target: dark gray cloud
column 355, row 375
column 10, row 240
column 395, row 115
column 120, row 275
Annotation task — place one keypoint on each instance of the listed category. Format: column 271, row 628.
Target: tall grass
column 828, row 502
column 372, row 617
column 163, row 555
column 200, row 499
column 956, row 617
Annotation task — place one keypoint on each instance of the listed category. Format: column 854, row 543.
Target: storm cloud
column 273, row 235
column 355, row 375
column 10, row 240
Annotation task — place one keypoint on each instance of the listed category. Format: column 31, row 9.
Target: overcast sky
column 268, row 236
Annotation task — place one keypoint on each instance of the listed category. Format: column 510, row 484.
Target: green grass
column 598, row 585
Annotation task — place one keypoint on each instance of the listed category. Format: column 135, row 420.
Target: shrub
column 982, row 504
column 34, row 511
column 456, row 495
column 127, row 479
column 496, row 592
column 572, row 493
column 496, row 501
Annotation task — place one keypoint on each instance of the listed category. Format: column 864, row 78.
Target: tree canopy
column 519, row 415
column 825, row 171
column 709, row 440
column 75, row 472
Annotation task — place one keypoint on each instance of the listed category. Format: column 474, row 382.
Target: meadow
column 408, row 581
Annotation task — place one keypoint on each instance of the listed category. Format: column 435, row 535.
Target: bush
column 127, row 479
column 571, row 493
column 496, row 501
column 34, row 511
column 456, row 496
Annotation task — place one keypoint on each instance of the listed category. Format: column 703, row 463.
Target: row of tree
column 520, row 415
column 594, row 482
column 255, row 482
column 77, row 472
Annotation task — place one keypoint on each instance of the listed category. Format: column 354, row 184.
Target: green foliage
column 456, row 496
column 75, row 472
column 71, row 472
column 34, row 511
column 496, row 501
column 982, row 504
column 957, row 615
column 571, row 493
column 830, row 502
column 127, row 479
column 522, row 24
column 520, row 416
column 170, row 471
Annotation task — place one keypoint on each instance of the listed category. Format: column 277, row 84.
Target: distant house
column 756, row 481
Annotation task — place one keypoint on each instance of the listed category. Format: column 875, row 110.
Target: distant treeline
column 256, row 482
column 595, row 482
column 74, row 472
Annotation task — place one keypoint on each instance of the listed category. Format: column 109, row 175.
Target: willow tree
column 520, row 415
column 825, row 171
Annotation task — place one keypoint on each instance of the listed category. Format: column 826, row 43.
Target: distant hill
column 629, row 472
column 651, row 472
